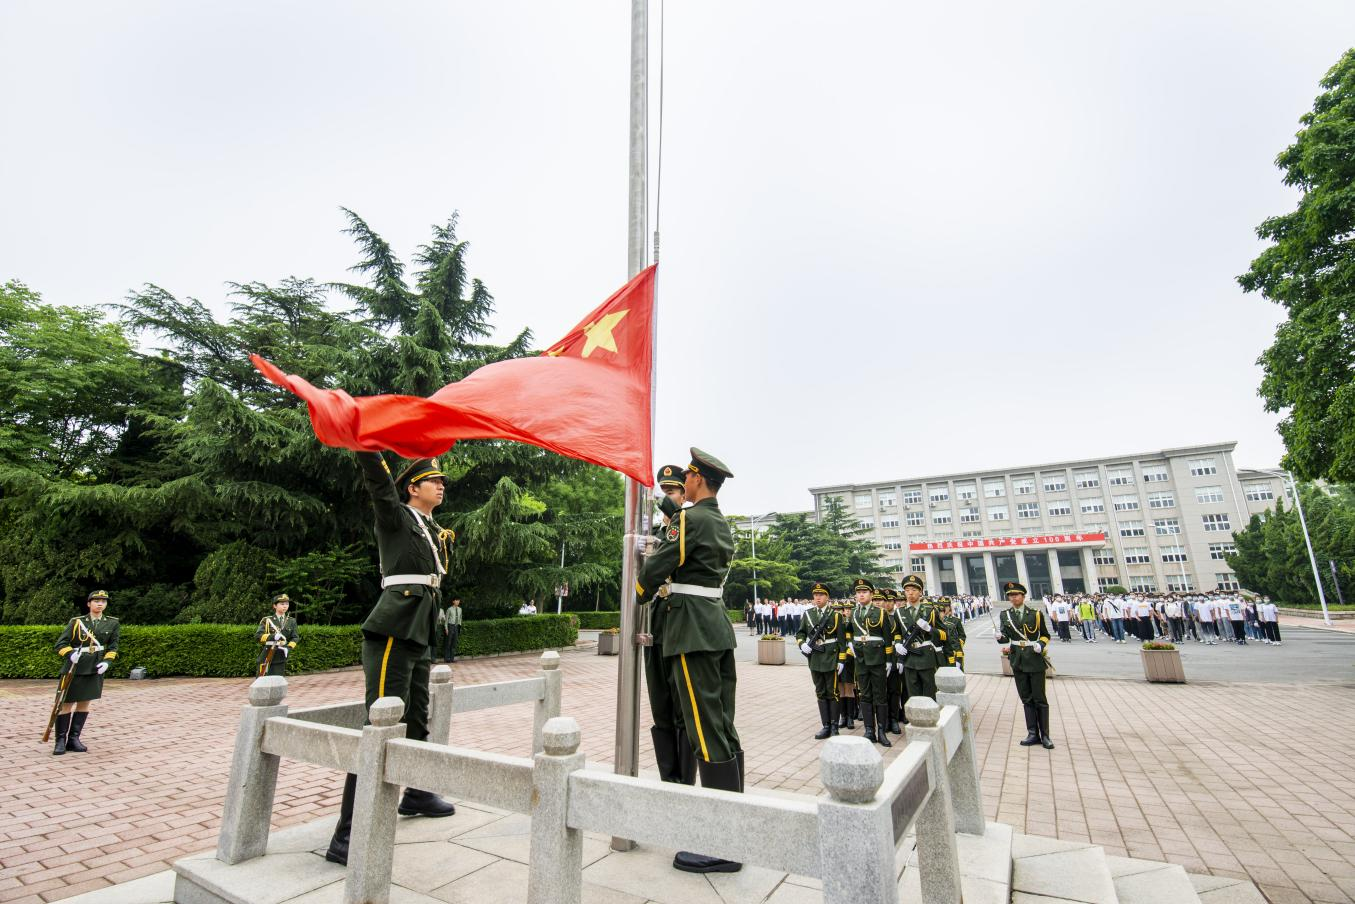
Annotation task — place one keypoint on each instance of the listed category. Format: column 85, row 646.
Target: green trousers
column 663, row 698
column 1030, row 687
column 825, row 684
column 398, row 668
column 870, row 684
column 705, row 685
column 920, row 682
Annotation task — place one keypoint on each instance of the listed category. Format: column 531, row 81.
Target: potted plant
column 609, row 642
column 771, row 650
column 1162, row 662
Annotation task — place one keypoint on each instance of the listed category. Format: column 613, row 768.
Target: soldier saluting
column 396, row 635
column 1025, row 633
column 87, row 646
column 827, row 655
column 277, row 635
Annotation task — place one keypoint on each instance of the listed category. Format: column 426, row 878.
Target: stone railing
column 847, row 840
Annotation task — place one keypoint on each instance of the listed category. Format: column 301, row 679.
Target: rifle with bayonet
column 815, row 636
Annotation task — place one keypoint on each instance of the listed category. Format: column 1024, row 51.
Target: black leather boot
column 724, row 776
column 1044, row 728
column 686, row 759
column 63, row 727
column 882, row 717
column 423, row 803
column 666, row 753
column 834, row 710
column 1032, row 727
column 825, row 720
column 868, row 720
column 892, row 711
column 338, row 845
column 73, row 740
column 851, row 714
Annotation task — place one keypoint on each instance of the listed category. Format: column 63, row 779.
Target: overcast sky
column 897, row 239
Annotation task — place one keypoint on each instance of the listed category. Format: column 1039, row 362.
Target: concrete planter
column 771, row 651
column 609, row 644
column 1006, row 666
column 1163, row 666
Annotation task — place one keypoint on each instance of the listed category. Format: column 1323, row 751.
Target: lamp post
column 1307, row 540
column 752, row 535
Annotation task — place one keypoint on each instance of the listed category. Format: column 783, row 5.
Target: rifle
column 62, row 687
column 268, row 660
column 817, row 634
column 907, row 645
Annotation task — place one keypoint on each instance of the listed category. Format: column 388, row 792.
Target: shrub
column 1115, row 589
column 595, row 621
column 231, row 651
column 230, row 586
column 1158, row 645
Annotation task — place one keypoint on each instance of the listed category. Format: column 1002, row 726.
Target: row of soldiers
column 869, row 655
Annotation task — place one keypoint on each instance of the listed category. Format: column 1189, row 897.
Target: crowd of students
column 1207, row 617
column 783, row 616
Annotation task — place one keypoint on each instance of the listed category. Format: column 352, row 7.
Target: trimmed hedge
column 230, row 651
column 596, row 621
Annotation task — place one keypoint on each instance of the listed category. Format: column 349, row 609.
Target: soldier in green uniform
column 277, row 635
column 396, row 658
column 672, row 751
column 827, row 655
column 870, row 632
column 895, row 691
column 846, row 678
column 955, row 634
column 1024, row 632
column 698, row 640
column 924, row 638
column 87, row 647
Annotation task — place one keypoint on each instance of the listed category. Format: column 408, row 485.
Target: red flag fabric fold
column 588, row 397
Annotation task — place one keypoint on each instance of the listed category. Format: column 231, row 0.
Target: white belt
column 712, row 593
column 870, row 640
column 1022, row 643
column 824, row 643
column 275, row 643
column 427, row 580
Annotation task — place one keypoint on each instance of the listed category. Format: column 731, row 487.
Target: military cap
column 704, row 463
column 892, row 594
column 282, row 598
column 913, row 580
column 97, row 595
column 877, row 596
column 862, row 584
column 821, row 588
column 671, row 476
column 1013, row 587
column 419, row 469
column 943, row 601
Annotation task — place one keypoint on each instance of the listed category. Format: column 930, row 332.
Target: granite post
column 548, row 707
column 254, row 776
column 938, row 856
column 856, row 836
column 372, row 848
column 963, row 771
column 555, row 866
column 440, row 705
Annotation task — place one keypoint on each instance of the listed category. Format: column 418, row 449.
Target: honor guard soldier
column 895, row 692
column 1024, row 631
column 396, row 635
column 823, row 640
column 871, row 630
column 698, row 639
column 923, row 638
column 277, row 634
column 846, row 676
column 955, row 634
column 87, row 647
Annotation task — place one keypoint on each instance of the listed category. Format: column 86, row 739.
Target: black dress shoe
column 700, row 863
column 423, row 803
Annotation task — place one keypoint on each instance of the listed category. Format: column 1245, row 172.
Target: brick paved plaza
column 1243, row 780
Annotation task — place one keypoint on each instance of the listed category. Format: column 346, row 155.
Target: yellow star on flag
column 599, row 335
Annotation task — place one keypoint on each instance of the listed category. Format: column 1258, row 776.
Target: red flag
column 587, row 397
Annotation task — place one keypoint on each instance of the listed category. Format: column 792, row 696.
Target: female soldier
column 87, row 647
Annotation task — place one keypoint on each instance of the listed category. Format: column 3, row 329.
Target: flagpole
column 637, row 513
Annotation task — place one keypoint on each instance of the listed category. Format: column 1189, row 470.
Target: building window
column 1126, row 503
column 1155, row 474
column 918, row 563
column 1131, row 529
column 1142, row 585
column 1023, row 486
column 1227, row 581
column 1027, row 509
column 1120, row 477
column 886, row 498
column 941, row 517
column 1109, row 580
column 1179, row 583
column 912, row 497
column 1258, row 492
column 994, row 489
column 1203, row 467
column 1214, row 523
column 1137, row 555
column 1092, row 505
column 939, row 494
column 864, row 500
column 1104, row 556
column 997, row 513
column 889, row 522
column 966, row 491
column 1086, row 480
column 1208, row 494
column 914, row 519
column 868, row 523
column 1219, row 550
column 969, row 515
column 971, row 533
column 1173, row 553
column 1060, row 507
column 1166, row 527
column 1161, row 500
column 893, row 544
column 1055, row 483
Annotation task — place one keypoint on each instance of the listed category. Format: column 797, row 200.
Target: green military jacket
column 832, row 644
column 871, row 634
column 269, row 626
column 928, row 650
column 695, row 553
column 408, row 543
column 955, row 639
column 1020, row 626
column 97, row 640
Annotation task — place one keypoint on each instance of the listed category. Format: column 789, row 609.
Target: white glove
column 889, row 667
column 851, row 648
column 278, row 637
column 101, row 667
column 840, row 666
column 75, row 656
column 1036, row 646
column 642, row 543
column 924, row 625
column 806, row 649
column 285, row 651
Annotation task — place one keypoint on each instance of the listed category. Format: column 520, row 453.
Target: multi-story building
column 1159, row 520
